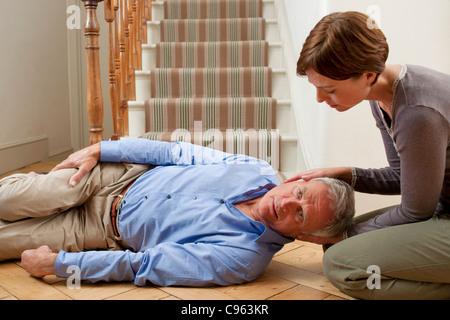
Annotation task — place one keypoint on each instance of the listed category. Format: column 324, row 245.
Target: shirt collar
column 270, row 236
column 254, row 193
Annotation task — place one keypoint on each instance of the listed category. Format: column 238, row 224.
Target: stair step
column 270, row 31
column 268, row 10
column 274, row 56
column 232, row 54
column 262, row 144
column 279, row 83
column 212, row 9
column 211, row 82
column 212, row 113
column 197, row 30
column 284, row 119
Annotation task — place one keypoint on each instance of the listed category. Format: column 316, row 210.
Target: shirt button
column 195, row 198
column 222, row 202
column 169, row 196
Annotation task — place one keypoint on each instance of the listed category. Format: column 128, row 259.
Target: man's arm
column 167, row 264
column 191, row 264
column 142, row 151
column 156, row 152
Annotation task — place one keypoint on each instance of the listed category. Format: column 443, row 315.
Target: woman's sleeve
column 421, row 137
column 384, row 180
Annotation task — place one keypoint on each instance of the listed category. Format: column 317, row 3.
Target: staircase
column 213, row 74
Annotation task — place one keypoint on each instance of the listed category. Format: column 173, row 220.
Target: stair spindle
column 94, row 88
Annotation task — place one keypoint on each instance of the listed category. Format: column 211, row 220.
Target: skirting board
column 20, row 153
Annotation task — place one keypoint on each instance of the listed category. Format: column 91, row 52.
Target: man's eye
column 299, row 193
column 330, row 92
column 300, row 213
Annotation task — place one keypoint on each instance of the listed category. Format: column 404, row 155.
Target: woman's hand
column 342, row 173
column 83, row 160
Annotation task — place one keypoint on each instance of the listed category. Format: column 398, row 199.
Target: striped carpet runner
column 232, row 54
column 194, row 9
column 200, row 30
column 211, row 82
column 165, row 115
column 212, row 85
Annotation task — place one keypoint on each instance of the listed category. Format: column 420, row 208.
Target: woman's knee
column 349, row 271
column 335, row 267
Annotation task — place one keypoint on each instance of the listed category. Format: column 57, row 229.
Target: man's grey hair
column 342, row 204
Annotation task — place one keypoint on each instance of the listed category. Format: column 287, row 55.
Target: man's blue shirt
column 180, row 220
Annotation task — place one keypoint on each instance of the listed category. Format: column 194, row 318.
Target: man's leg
column 410, row 261
column 31, row 196
column 45, row 210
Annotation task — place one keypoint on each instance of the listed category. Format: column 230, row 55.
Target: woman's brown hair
column 344, row 45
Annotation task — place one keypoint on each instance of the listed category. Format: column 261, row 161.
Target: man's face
column 296, row 207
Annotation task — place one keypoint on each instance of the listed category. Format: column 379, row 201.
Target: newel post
column 94, row 87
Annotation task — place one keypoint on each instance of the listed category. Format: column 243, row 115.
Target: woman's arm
column 384, row 180
column 421, row 136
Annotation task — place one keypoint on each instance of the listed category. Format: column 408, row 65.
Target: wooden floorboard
column 295, row 273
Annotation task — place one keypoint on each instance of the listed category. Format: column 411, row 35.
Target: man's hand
column 83, row 160
column 39, row 262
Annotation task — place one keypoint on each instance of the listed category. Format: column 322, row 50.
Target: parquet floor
column 295, row 273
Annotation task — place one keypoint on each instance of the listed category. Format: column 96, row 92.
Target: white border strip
column 21, row 142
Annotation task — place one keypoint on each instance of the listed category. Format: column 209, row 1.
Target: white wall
column 418, row 32
column 34, row 109
column 43, row 82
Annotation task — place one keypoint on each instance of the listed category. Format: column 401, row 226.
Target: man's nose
column 290, row 204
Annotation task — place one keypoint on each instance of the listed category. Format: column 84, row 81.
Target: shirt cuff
column 109, row 151
column 61, row 268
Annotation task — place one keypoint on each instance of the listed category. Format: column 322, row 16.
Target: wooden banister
column 94, row 87
column 113, row 86
column 127, row 31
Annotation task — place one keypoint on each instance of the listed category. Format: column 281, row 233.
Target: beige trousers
column 46, row 210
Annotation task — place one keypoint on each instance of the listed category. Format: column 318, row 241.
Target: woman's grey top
column 416, row 141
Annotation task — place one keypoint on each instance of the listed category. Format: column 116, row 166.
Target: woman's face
column 341, row 94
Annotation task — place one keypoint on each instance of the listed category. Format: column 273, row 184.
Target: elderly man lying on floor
column 162, row 213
